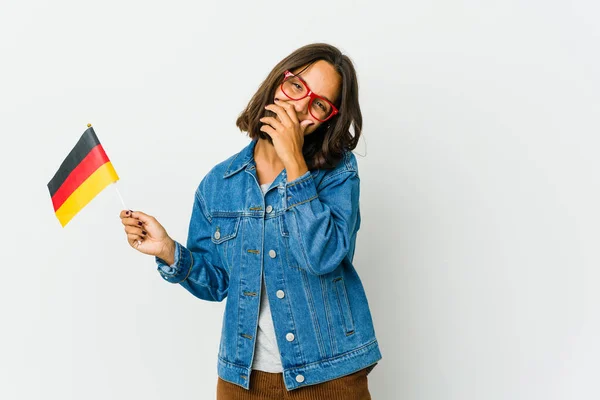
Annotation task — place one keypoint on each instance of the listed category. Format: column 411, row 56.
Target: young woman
column 273, row 229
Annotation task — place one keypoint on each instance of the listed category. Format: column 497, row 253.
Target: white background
column 479, row 192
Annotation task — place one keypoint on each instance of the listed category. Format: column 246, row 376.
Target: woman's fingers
column 132, row 222
column 125, row 213
column 289, row 110
column 127, row 219
column 145, row 218
column 137, row 215
column 268, row 130
column 134, row 237
column 129, row 229
column 134, row 240
column 144, row 232
column 281, row 113
column 271, row 121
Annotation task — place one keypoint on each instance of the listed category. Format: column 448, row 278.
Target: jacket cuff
column 301, row 190
column 181, row 267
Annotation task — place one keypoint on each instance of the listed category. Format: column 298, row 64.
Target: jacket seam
column 313, row 314
column 232, row 364
column 330, row 329
column 237, row 321
column 299, row 347
column 301, row 244
column 203, row 206
column 302, row 202
column 191, row 262
column 227, row 171
column 350, row 170
column 301, row 181
column 356, row 350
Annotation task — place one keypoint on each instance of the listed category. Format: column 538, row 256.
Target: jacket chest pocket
column 224, row 233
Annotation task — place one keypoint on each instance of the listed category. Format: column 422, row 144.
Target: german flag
column 84, row 173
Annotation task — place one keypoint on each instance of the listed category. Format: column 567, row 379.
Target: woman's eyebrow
column 325, row 97
column 303, row 80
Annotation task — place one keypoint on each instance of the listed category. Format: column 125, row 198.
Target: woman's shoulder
column 231, row 165
column 343, row 172
column 228, row 166
column 347, row 163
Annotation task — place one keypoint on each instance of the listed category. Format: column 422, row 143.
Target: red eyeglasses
column 295, row 88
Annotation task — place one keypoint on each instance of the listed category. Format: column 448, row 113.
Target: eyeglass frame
column 310, row 94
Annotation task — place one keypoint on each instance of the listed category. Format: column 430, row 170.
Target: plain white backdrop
column 479, row 193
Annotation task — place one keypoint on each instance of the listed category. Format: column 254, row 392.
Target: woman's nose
column 301, row 105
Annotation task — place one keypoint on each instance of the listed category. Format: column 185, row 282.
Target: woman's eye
column 297, row 86
column 320, row 105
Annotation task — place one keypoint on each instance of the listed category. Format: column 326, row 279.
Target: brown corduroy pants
column 269, row 386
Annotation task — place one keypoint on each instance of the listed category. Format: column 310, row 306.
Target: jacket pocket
column 343, row 305
column 225, row 229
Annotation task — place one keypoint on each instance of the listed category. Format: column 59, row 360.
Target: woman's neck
column 268, row 164
column 266, row 156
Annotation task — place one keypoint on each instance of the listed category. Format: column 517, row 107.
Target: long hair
column 324, row 147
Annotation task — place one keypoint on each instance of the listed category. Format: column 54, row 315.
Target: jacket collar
column 241, row 160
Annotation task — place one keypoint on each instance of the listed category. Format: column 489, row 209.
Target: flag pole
column 120, row 197
column 124, row 207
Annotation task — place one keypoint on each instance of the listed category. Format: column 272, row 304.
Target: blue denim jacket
column 302, row 234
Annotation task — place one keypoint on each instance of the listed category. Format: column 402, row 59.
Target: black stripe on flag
column 86, row 143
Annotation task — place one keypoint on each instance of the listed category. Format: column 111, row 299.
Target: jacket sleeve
column 322, row 225
column 197, row 266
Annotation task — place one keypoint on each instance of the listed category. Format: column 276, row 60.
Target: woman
column 273, row 228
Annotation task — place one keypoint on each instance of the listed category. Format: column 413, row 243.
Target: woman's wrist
column 168, row 251
column 296, row 169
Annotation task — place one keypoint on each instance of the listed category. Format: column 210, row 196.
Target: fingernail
column 143, row 232
column 140, row 223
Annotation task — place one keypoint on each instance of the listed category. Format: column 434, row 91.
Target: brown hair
column 324, row 147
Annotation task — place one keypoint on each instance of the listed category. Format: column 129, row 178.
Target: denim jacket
column 302, row 234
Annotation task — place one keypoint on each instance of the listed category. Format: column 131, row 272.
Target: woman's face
column 323, row 80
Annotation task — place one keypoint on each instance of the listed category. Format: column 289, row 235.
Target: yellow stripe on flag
column 100, row 179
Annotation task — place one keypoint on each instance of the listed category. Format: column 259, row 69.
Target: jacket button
column 299, row 378
column 289, row 337
column 217, row 235
column 280, row 294
column 269, row 208
column 272, row 253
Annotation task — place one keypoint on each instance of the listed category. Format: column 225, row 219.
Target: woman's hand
column 287, row 134
column 147, row 235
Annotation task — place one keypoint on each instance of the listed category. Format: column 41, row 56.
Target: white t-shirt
column 266, row 352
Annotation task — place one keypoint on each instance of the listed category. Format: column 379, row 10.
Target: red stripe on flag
column 94, row 160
